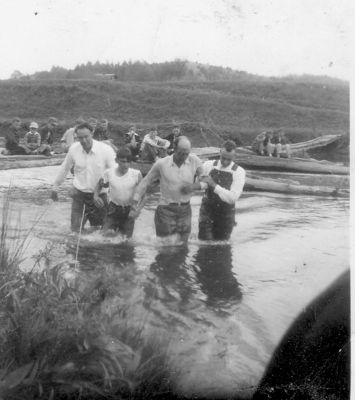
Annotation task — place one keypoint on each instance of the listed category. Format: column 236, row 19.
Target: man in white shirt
column 224, row 181
column 122, row 182
column 154, row 146
column 90, row 159
column 177, row 175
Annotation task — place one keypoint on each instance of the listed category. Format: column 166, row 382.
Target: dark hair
column 124, row 152
column 16, row 119
column 84, row 125
column 229, row 145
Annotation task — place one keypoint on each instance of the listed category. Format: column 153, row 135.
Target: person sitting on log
column 101, row 132
column 47, row 133
column 12, row 138
column 153, row 146
column 269, row 147
column 133, row 141
column 281, row 143
column 172, row 137
column 32, row 142
column 258, row 143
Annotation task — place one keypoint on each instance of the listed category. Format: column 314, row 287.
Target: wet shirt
column 122, row 187
column 231, row 195
column 88, row 167
column 172, row 179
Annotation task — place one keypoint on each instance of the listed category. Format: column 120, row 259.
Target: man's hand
column 210, row 182
column 54, row 195
column 134, row 211
column 99, row 203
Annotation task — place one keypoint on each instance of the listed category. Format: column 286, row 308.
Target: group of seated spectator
column 35, row 141
column 152, row 146
column 40, row 140
column 272, row 143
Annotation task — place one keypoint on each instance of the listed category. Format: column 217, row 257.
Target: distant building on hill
column 108, row 77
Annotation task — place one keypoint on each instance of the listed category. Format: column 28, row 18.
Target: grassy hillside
column 236, row 109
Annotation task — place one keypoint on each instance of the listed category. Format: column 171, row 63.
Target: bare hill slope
column 237, row 109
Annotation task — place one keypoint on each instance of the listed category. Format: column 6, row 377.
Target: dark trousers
column 216, row 222
column 16, row 150
column 173, row 218
column 93, row 214
column 117, row 218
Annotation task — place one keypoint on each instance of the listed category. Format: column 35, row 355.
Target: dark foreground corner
column 313, row 359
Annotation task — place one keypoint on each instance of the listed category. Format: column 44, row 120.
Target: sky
column 264, row 37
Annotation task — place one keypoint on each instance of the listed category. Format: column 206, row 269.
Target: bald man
column 176, row 174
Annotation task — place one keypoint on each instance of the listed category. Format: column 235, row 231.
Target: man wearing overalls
column 223, row 180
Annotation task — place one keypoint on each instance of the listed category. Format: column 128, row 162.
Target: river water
column 222, row 306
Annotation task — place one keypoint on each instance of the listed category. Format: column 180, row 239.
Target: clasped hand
column 207, row 179
column 187, row 188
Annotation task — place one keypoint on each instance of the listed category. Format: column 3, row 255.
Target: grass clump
column 58, row 342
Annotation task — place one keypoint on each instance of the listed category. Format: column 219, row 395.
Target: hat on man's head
column 34, row 125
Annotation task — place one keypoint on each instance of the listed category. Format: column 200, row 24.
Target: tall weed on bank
column 56, row 341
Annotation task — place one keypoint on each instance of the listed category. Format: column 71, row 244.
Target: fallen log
column 275, row 186
column 327, row 180
column 291, row 164
column 30, row 161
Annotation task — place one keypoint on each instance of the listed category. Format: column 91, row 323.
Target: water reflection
column 206, row 276
column 91, row 254
column 171, row 274
column 213, row 268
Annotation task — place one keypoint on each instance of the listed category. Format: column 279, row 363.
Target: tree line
column 138, row 71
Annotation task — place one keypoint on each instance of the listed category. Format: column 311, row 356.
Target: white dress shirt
column 229, row 196
column 88, row 167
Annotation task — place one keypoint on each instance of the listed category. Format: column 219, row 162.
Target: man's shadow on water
column 209, row 271
column 214, row 273
column 171, row 280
